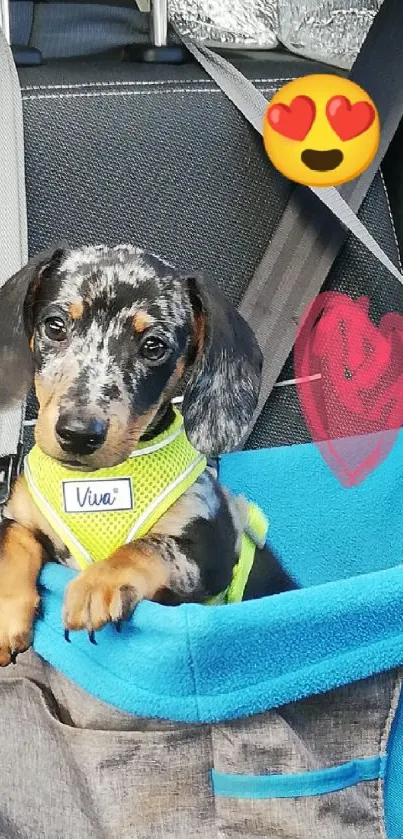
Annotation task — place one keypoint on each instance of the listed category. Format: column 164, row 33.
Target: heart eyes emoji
column 321, row 130
column 294, row 121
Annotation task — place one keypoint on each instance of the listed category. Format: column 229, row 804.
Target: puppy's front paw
column 98, row 595
column 17, row 615
column 110, row 590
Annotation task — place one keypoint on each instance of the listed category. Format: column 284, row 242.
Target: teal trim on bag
column 393, row 798
column 300, row 785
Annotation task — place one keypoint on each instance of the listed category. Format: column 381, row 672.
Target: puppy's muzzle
column 80, row 436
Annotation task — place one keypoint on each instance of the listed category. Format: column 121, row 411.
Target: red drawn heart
column 292, row 121
column 349, row 120
column 350, row 383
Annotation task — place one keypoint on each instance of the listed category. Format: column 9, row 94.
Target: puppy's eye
column 154, row 349
column 55, row 329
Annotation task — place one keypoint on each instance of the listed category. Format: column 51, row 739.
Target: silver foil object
column 331, row 31
column 227, row 23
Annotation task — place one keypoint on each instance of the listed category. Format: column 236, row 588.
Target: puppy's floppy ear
column 224, row 385
column 16, row 322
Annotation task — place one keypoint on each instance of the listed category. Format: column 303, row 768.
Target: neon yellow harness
column 94, row 513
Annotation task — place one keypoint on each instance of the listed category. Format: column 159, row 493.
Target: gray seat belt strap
column 308, row 237
column 235, row 87
column 13, row 218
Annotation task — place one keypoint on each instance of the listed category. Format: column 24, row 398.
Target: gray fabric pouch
column 74, row 767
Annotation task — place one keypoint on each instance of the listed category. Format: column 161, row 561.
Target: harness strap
column 254, row 536
column 94, row 513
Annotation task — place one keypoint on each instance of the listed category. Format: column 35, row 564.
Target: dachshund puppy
column 114, row 334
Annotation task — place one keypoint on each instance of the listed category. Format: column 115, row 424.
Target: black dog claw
column 67, row 636
column 118, row 626
column 39, row 613
column 13, row 656
column 91, row 636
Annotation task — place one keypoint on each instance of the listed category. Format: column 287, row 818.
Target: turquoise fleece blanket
column 199, row 664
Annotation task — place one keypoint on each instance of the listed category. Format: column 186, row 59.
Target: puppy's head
column 113, row 331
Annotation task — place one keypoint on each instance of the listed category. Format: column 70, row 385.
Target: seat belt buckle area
column 26, row 56
column 23, row 54
column 10, row 468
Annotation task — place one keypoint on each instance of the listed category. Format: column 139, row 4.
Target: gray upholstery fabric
column 162, row 159
column 131, row 157
column 73, row 767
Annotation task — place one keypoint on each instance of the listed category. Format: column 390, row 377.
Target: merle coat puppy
column 112, row 335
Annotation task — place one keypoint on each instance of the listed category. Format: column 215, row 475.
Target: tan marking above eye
column 76, row 309
column 141, row 321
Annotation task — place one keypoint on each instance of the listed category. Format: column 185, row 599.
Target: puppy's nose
column 78, row 436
